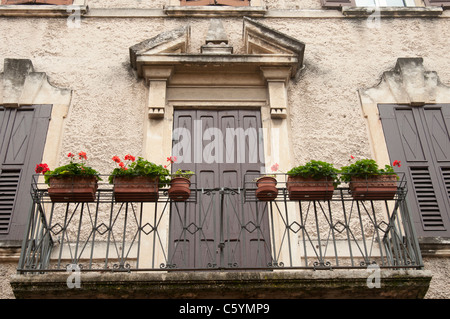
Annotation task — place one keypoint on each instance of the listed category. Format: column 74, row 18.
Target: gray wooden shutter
column 440, row 3
column 419, row 137
column 193, row 247
column 23, row 134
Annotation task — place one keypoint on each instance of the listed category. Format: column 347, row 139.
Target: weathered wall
column 440, row 268
column 7, row 269
column 342, row 55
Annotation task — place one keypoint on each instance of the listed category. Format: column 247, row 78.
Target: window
column 237, row 3
column 55, row 2
column 382, row 3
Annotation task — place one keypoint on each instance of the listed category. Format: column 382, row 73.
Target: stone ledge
column 392, row 12
column 435, row 246
column 218, row 285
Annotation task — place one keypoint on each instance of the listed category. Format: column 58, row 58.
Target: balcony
column 221, row 242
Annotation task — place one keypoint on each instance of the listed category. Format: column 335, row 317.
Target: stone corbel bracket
column 277, row 79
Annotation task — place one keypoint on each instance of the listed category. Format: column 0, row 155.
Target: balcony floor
column 404, row 284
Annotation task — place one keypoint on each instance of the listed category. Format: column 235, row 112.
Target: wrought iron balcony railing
column 219, row 229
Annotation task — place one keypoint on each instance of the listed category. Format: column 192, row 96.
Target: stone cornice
column 44, row 10
column 86, row 11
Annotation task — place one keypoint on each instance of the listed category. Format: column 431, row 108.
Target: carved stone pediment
column 22, row 85
column 407, row 83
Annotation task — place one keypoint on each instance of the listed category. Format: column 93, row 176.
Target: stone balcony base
column 404, row 284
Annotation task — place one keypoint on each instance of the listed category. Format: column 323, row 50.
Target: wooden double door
column 220, row 229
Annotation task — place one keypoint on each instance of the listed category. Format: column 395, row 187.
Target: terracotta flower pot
column 179, row 189
column 381, row 187
column 72, row 188
column 266, row 188
column 307, row 188
column 136, row 189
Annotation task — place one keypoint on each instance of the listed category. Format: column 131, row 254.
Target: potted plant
column 367, row 181
column 138, row 180
column 74, row 182
column 266, row 186
column 316, row 180
column 180, row 185
column 180, row 182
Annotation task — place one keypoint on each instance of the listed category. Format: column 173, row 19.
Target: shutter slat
column 446, row 176
column 9, row 182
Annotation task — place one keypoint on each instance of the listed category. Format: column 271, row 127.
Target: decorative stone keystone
column 216, row 39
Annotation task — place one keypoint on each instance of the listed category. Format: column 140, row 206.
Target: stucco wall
column 7, row 269
column 108, row 109
column 440, row 268
column 108, row 105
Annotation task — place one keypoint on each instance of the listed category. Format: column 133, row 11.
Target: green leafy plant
column 316, row 170
column 139, row 167
column 183, row 173
column 274, row 168
column 72, row 169
column 366, row 168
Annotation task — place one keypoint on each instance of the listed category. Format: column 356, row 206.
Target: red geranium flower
column 116, row 159
column 172, row 159
column 41, row 168
column 397, row 163
column 82, row 155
